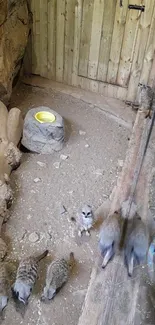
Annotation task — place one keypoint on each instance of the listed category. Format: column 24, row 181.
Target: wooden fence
column 94, row 44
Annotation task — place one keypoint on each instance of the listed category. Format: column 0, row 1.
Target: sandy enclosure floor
column 87, row 176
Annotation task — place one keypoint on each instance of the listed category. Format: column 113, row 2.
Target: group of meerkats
column 136, row 246
column 135, row 251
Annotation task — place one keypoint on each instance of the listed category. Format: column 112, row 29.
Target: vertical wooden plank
column 51, row 39
column 43, row 37
column 85, row 36
column 117, row 38
column 32, row 7
column 140, row 47
column 77, row 33
column 69, row 40
column 106, row 37
column 60, row 36
column 130, row 33
column 95, row 38
column 149, row 52
column 37, row 37
column 151, row 80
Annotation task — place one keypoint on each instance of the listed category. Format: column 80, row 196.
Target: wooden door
column 111, row 38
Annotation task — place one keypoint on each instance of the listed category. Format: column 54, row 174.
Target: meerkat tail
column 41, row 256
column 130, row 265
column 108, row 256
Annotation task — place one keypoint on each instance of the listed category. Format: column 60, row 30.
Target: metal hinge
column 136, row 7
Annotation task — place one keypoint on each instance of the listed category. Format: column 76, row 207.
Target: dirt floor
column 95, row 158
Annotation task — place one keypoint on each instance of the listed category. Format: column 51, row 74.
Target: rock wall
column 14, row 31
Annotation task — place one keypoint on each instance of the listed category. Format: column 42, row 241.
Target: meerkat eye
column 83, row 213
column 89, row 214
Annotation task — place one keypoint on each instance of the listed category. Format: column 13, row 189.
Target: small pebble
column 63, row 209
column 57, row 164
column 120, row 163
column 32, row 191
column 98, row 172
column 63, row 157
column 41, row 164
column 37, row 179
column 29, row 217
column 82, row 132
column 87, row 145
column 33, row 237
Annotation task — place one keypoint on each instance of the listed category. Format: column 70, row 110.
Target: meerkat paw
column 148, row 114
column 87, row 233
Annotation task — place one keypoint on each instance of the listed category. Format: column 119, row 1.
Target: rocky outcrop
column 14, row 31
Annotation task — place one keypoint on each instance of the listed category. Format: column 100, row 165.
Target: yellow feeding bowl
column 45, row 117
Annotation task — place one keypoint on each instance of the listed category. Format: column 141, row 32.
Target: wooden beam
column 112, row 297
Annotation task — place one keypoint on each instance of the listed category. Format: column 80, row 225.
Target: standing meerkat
column 57, row 275
column 27, row 274
column 136, row 244
column 3, row 287
column 109, row 237
column 85, row 220
column 145, row 99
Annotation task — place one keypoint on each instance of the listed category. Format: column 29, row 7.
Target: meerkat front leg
column 88, row 233
column 80, row 231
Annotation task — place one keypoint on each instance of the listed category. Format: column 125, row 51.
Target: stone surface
column 14, row 30
column 43, row 137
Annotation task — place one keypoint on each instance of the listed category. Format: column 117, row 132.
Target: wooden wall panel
column 69, row 40
column 60, row 39
column 117, row 38
column 43, row 37
column 95, row 38
column 87, row 14
column 51, row 30
column 77, row 34
column 94, row 44
column 139, row 53
column 127, row 51
column 106, row 37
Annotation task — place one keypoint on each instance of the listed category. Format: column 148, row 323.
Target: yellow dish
column 45, row 117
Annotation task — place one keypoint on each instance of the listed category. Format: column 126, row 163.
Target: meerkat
column 26, row 276
column 84, row 220
column 145, row 99
column 136, row 244
column 110, row 236
column 57, row 275
column 3, row 287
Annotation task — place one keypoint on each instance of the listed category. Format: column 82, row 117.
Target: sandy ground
column 87, row 176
